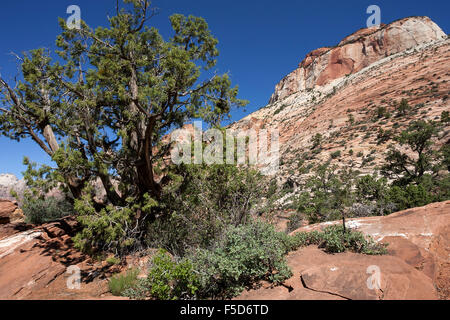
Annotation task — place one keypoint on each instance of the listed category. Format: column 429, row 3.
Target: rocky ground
column 34, row 262
column 405, row 60
column 417, row 265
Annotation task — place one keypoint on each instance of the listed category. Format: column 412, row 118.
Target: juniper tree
column 101, row 109
column 406, row 168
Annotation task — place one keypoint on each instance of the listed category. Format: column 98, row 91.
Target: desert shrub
column 328, row 193
column 112, row 228
column 207, row 200
column 119, row 283
column 295, row 222
column 171, row 280
column 362, row 210
column 335, row 155
column 403, row 108
column 247, row 254
column 113, row 260
column 384, row 136
column 40, row 210
column 445, row 117
column 382, row 112
column 410, row 196
column 333, row 239
column 370, row 188
column 316, row 141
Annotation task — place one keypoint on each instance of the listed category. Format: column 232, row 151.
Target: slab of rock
column 417, row 266
column 34, row 264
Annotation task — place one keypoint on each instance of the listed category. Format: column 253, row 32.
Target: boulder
column 7, row 208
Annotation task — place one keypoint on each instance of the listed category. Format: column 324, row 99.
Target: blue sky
column 260, row 41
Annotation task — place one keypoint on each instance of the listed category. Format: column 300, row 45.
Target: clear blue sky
column 260, row 41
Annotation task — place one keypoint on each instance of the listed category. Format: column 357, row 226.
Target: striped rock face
column 357, row 51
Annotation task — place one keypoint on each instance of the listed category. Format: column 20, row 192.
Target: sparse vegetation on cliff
column 411, row 178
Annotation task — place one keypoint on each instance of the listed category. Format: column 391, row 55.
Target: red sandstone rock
column 356, row 52
column 415, row 268
column 7, row 208
column 33, row 264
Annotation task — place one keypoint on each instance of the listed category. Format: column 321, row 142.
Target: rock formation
column 34, row 264
column 356, row 52
column 336, row 93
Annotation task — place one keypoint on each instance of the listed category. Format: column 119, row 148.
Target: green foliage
column 118, row 284
column 410, row 196
column 111, row 228
column 403, row 108
column 405, row 168
column 39, row 210
column 113, row 260
column 247, row 254
column 328, row 196
column 316, row 141
column 170, row 280
column 384, row 136
column 335, row 154
column 351, row 120
column 207, row 200
column 445, row 117
column 370, row 188
column 334, row 239
column 382, row 112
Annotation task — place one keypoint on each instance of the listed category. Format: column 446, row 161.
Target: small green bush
column 42, row 210
column 118, row 284
column 170, row 280
column 113, row 260
column 410, row 196
column 248, row 253
column 333, row 239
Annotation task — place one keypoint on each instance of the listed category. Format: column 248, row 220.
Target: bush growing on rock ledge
column 334, row 239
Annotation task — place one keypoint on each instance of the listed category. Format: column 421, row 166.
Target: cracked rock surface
column 416, row 267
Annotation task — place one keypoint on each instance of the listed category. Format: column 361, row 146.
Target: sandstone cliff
column 357, row 51
column 336, row 92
